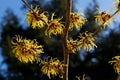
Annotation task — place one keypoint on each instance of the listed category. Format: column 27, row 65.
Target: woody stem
column 64, row 40
column 27, row 5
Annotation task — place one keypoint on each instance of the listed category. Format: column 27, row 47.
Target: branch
column 27, row 5
column 64, row 39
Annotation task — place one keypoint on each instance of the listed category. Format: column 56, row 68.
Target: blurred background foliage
column 94, row 64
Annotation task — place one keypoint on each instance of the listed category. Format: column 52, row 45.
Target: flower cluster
column 52, row 66
column 54, row 26
column 72, row 45
column 76, row 20
column 25, row 50
column 36, row 18
column 116, row 63
column 103, row 18
column 87, row 41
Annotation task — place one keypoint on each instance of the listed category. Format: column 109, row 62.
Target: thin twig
column 27, row 5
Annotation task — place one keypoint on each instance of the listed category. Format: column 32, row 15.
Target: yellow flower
column 25, row 50
column 117, row 5
column 54, row 27
column 52, row 67
column 116, row 63
column 103, row 18
column 76, row 20
column 87, row 41
column 79, row 78
column 36, row 18
column 72, row 45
